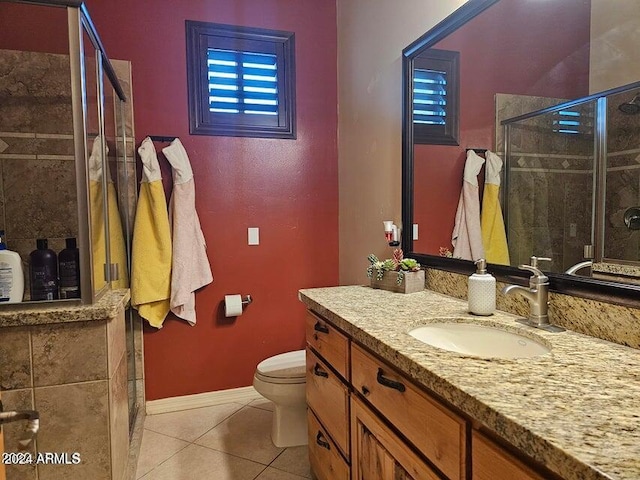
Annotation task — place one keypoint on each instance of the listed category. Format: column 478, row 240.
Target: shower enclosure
column 67, row 150
column 571, row 189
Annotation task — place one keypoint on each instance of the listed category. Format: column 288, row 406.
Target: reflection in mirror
column 516, row 57
column 549, row 177
column 622, row 201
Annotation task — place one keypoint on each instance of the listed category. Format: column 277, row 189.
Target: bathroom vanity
column 382, row 404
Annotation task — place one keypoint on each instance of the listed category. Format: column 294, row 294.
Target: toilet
column 281, row 379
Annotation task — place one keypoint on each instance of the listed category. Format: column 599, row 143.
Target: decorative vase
column 411, row 283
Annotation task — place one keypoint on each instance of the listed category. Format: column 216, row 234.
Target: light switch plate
column 253, row 234
column 415, row 231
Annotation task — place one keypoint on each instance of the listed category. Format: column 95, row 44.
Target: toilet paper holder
column 235, row 304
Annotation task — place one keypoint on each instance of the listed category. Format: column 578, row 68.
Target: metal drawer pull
column 320, row 440
column 382, row 380
column 319, row 371
column 318, row 327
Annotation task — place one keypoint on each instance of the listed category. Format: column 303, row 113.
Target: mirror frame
column 586, row 287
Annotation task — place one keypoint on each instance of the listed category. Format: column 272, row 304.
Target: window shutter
column 429, row 97
column 242, row 82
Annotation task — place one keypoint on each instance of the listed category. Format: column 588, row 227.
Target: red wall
column 287, row 188
column 550, row 57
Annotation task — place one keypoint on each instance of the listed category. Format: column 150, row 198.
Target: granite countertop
column 107, row 307
column 575, row 410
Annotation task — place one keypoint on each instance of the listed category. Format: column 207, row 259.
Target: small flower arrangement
column 445, row 252
column 397, row 264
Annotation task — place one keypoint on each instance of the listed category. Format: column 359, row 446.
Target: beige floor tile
column 247, row 434
column 195, row 462
column 294, row 460
column 262, row 403
column 190, row 424
column 275, row 474
column 155, row 449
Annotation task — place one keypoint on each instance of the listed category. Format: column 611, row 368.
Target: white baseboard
column 198, row 400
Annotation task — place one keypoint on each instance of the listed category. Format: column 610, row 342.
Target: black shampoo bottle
column 43, row 270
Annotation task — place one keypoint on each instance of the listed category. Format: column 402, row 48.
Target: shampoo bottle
column 11, row 274
column 482, row 290
column 43, row 270
column 69, row 270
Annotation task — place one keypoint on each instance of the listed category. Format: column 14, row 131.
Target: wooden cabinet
column 378, row 453
column 436, row 431
column 367, row 421
column 490, row 461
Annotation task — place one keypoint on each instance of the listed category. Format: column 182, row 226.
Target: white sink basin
column 478, row 340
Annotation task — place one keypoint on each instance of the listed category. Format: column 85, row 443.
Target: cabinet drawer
column 378, row 453
column 326, row 462
column 332, row 345
column 490, row 461
column 437, row 432
column 328, row 397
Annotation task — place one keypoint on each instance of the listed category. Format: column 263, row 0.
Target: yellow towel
column 116, row 237
column 494, row 237
column 151, row 250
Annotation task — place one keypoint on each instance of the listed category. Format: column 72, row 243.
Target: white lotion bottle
column 482, row 290
column 11, row 275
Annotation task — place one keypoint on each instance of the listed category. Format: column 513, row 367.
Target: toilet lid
column 290, row 365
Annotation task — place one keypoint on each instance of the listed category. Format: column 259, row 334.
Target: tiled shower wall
column 550, row 185
column 623, row 179
column 37, row 163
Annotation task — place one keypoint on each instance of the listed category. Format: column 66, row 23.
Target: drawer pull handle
column 320, row 440
column 318, row 327
column 382, row 380
column 318, row 371
column 365, row 391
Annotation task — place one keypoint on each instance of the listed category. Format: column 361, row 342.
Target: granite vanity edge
column 107, row 307
column 537, row 447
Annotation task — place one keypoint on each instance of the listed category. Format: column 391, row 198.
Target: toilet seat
column 289, row 367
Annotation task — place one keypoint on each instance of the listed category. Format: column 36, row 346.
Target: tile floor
column 223, row 442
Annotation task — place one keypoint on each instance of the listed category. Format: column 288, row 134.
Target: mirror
column 518, row 57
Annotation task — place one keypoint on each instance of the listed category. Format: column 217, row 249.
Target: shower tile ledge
column 574, row 410
column 107, row 307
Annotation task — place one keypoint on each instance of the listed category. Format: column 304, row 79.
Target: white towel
column 467, row 235
column 191, row 269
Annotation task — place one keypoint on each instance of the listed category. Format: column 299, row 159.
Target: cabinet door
column 491, row 461
column 378, row 454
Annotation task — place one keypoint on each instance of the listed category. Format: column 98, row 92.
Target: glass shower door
column 549, row 188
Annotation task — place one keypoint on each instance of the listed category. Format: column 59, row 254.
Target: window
column 241, row 81
column 571, row 122
column 435, row 97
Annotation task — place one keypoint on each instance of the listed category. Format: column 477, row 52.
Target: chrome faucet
column 579, row 266
column 538, row 296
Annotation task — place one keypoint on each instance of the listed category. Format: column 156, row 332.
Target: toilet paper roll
column 232, row 305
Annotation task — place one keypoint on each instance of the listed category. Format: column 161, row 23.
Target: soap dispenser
column 482, row 290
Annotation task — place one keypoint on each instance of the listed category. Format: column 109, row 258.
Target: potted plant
column 397, row 274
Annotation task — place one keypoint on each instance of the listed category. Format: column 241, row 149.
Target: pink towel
column 467, row 234
column 190, row 268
